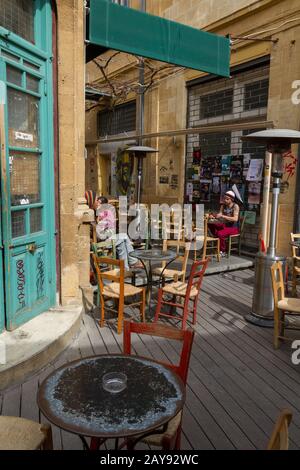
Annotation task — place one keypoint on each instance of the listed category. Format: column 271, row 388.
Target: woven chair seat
column 289, row 304
column 20, row 434
column 113, row 290
column 179, row 288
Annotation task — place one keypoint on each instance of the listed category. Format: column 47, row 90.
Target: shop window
column 117, row 120
column 256, row 95
column 18, row 17
column 216, row 104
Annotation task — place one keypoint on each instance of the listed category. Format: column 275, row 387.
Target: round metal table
column 73, row 397
column 147, row 257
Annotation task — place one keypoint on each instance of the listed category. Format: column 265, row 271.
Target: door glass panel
column 14, row 75
column 31, row 65
column 18, row 226
column 36, row 219
column 32, row 83
column 23, row 119
column 18, row 16
column 24, row 178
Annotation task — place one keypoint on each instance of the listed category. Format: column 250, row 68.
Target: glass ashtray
column 114, row 382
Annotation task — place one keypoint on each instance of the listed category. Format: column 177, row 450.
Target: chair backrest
column 280, row 436
column 105, row 249
column 168, row 332
column 277, row 281
column 182, row 251
column 196, row 276
column 103, row 269
column 295, row 251
column 242, row 221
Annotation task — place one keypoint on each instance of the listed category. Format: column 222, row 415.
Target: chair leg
column 158, row 306
column 229, row 247
column 195, row 301
column 48, row 442
column 142, row 306
column 102, row 319
column 218, row 250
column 276, row 327
column 294, row 284
column 120, row 315
column 185, row 314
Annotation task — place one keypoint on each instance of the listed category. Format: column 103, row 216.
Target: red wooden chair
column 186, row 292
column 170, row 439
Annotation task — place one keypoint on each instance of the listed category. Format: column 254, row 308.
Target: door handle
column 31, row 248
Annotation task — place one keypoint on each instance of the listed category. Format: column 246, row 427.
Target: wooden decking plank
column 96, row 340
column 259, row 363
column 264, row 348
column 243, row 419
column 255, row 382
column 29, row 408
column 11, row 405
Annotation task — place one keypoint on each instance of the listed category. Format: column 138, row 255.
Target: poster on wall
column 254, row 193
column 246, row 162
column 205, row 186
column 226, row 161
column 255, row 169
column 216, row 184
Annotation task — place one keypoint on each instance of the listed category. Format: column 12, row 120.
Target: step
column 36, row 343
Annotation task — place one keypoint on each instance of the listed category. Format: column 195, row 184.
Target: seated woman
column 229, row 220
column 106, row 228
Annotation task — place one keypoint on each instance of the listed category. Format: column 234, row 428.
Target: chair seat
column 235, row 236
column 173, row 425
column 20, row 434
column 212, row 239
column 168, row 272
column 289, row 304
column 113, row 290
column 116, row 272
column 179, row 288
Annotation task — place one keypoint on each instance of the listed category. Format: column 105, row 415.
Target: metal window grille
column 18, row 17
column 115, row 121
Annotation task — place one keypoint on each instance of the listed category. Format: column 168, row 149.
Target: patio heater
column 140, row 152
column 278, row 141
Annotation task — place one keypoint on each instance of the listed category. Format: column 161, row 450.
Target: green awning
column 128, row 30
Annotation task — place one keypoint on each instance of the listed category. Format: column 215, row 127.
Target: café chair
column 116, row 289
column 295, row 237
column 279, row 439
column 235, row 241
column 170, row 439
column 282, row 305
column 182, row 251
column 183, row 294
column 24, row 434
column 210, row 245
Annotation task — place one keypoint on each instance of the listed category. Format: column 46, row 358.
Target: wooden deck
column 237, row 383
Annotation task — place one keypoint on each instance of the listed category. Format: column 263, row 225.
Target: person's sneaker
column 223, row 254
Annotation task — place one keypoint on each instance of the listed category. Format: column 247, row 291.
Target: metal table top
column 73, row 398
column 155, row 254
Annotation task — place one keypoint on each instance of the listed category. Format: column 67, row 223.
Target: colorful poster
column 216, row 184
column 217, row 165
column 250, row 217
column 205, row 187
column 254, row 193
column 255, row 169
column 226, row 161
column 236, row 170
column 246, row 162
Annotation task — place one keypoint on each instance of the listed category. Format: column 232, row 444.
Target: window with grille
column 117, row 120
column 216, row 161
column 18, row 17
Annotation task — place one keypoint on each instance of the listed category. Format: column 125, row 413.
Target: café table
column 147, row 257
column 73, row 398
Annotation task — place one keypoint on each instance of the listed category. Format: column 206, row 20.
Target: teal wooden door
column 2, row 145
column 27, row 195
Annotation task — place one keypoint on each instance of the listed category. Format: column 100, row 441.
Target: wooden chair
column 116, row 289
column 280, row 436
column 24, row 434
column 172, row 227
column 296, row 264
column 170, row 439
column 282, row 305
column 235, row 241
column 211, row 245
column 186, row 292
column 182, row 258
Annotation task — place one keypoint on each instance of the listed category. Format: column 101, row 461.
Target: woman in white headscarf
column 228, row 217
